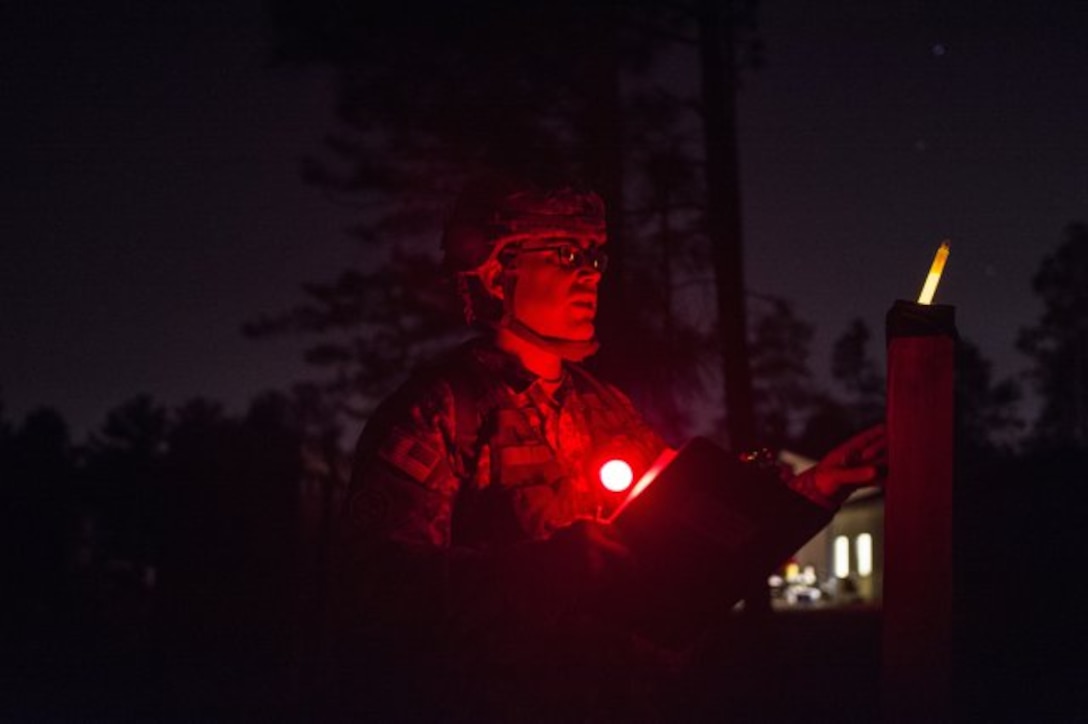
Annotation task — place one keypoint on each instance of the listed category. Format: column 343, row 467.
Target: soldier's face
column 555, row 293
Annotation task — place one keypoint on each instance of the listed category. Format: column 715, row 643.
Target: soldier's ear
column 491, row 276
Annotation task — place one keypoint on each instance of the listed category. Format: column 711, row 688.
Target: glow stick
column 934, row 276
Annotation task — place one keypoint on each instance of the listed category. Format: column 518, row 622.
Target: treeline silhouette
column 165, row 569
column 148, row 573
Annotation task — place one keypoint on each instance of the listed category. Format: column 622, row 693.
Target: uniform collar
column 509, row 369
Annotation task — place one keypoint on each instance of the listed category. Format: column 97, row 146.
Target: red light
column 616, row 475
column 667, row 455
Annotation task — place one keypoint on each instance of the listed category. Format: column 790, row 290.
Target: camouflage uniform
column 461, row 478
column 520, row 468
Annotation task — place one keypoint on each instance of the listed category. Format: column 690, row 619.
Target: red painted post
column 918, row 535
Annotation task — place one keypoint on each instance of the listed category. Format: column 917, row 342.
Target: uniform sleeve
column 403, row 484
column 392, row 531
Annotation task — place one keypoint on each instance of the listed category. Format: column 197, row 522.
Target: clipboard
column 703, row 529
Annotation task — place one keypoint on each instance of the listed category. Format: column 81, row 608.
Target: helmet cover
column 491, row 215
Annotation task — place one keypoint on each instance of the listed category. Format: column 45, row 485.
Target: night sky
column 152, row 201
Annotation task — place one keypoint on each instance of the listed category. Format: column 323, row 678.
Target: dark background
column 152, row 200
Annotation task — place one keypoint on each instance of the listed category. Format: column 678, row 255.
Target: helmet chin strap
column 572, row 350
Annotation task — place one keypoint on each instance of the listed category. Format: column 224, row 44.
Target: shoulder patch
column 414, row 457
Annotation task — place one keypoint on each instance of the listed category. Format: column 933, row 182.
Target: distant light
column 616, row 475
column 939, row 49
column 842, row 556
column 792, row 570
column 863, row 548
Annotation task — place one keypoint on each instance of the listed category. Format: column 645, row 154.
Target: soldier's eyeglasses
column 568, row 255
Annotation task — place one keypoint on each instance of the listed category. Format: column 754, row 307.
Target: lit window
column 842, row 556
column 863, row 549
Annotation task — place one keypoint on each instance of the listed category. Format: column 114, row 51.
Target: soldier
column 474, row 536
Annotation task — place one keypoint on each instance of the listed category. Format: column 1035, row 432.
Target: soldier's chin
column 581, row 331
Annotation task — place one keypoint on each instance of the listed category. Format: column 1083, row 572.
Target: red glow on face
column 616, row 475
column 552, row 299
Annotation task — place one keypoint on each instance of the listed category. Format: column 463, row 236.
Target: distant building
column 845, row 560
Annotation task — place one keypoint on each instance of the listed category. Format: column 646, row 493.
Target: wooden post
column 917, row 610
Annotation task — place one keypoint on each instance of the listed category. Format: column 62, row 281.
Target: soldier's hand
column 858, row 461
